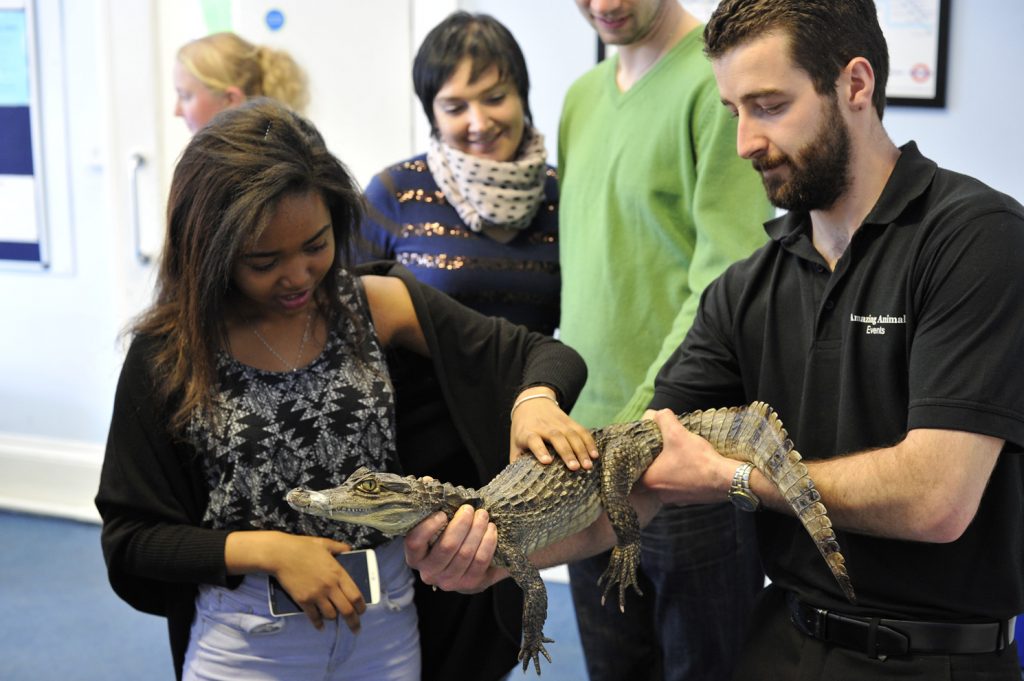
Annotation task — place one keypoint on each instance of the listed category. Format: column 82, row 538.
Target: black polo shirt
column 921, row 325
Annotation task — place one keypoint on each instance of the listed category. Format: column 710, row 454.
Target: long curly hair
column 225, row 189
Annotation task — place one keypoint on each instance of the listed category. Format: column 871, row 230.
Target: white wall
column 359, row 79
column 51, row 365
column 58, row 346
column 59, row 352
column 978, row 133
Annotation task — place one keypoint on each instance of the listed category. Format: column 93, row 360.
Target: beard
column 819, row 175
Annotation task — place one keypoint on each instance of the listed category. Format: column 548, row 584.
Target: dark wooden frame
column 938, row 100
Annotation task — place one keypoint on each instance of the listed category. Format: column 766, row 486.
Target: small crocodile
column 534, row 505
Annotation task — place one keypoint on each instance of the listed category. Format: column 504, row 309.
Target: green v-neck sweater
column 655, row 203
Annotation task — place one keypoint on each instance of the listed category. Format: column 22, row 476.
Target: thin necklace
column 302, row 343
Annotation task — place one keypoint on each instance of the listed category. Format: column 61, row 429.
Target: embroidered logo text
column 875, row 324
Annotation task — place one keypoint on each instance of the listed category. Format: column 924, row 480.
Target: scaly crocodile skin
column 534, row 505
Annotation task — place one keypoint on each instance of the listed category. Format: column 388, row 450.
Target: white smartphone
column 361, row 567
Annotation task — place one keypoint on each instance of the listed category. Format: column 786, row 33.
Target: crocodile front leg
column 535, row 602
column 625, row 456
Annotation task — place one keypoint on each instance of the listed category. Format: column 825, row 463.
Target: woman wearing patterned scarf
column 476, row 217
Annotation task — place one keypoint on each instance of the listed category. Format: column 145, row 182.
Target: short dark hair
column 226, row 186
column 824, row 36
column 481, row 38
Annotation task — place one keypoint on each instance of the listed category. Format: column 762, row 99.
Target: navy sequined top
column 410, row 221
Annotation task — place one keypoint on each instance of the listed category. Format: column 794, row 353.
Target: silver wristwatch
column 740, row 494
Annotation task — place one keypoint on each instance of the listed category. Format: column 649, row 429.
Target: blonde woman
column 223, row 70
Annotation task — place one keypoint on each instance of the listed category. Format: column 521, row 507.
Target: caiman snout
column 305, row 499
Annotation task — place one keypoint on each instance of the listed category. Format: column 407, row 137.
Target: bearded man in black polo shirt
column 884, row 322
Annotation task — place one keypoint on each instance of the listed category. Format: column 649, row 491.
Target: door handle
column 138, row 161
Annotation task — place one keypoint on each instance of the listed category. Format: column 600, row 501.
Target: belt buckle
column 810, row 620
column 1007, row 631
column 820, row 630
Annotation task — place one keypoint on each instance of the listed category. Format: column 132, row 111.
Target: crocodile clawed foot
column 622, row 571
column 532, row 649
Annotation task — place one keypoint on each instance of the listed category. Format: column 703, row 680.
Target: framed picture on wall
column 23, row 227
column 917, row 32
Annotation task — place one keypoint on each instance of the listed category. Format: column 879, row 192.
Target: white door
column 110, row 140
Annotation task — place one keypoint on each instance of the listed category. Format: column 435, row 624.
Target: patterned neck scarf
column 492, row 194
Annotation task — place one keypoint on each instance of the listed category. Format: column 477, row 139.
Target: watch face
column 744, row 501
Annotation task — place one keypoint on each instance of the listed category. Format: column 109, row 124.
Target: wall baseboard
column 50, row 477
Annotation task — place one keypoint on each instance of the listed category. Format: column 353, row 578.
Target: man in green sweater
column 655, row 203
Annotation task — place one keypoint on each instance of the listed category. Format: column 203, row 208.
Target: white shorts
column 234, row 636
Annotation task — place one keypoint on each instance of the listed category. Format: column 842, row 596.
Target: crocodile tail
column 755, row 433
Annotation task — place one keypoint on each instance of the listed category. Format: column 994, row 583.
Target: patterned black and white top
column 308, row 428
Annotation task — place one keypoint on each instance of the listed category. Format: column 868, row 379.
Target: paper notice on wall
column 911, row 29
column 13, row 59
column 20, row 188
column 18, row 198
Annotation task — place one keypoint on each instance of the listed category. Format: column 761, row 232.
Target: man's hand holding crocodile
column 456, row 555
column 688, row 470
column 460, row 557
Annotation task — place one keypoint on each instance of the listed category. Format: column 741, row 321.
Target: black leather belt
column 881, row 638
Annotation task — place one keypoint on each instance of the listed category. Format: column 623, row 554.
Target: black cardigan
column 152, row 496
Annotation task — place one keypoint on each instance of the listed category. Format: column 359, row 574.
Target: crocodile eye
column 368, row 486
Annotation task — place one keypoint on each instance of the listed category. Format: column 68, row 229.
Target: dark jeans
column 777, row 651
column 700, row 576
